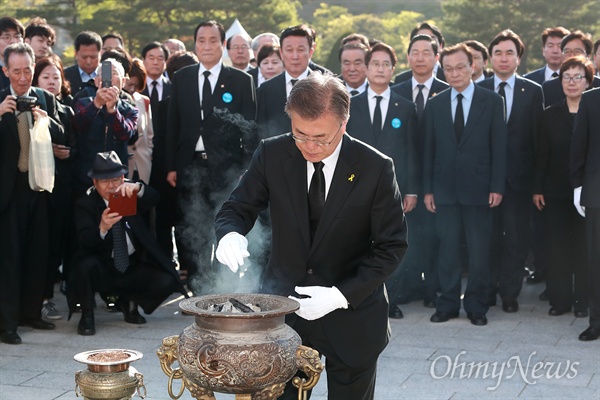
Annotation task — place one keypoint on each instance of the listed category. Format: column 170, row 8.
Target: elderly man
column 338, row 232
column 239, row 51
column 23, row 211
column 118, row 254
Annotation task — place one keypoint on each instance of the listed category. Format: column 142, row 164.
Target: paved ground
column 527, row 355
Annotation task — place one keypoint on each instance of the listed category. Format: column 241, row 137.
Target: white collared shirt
column 159, row 86
column 359, row 89
column 288, row 80
column 466, row 101
column 85, row 77
column 548, row 73
column 509, row 91
column 385, row 102
column 426, row 89
column 328, row 168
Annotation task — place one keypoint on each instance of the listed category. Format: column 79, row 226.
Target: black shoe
column 477, row 319
column 428, row 303
column 395, row 312
column 535, row 277
column 440, row 316
column 38, row 324
column 555, row 312
column 510, row 305
column 580, row 313
column 543, row 296
column 10, row 337
column 130, row 312
column 591, row 333
column 87, row 326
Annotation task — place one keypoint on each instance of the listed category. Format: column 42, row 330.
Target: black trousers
column 592, row 227
column 343, row 382
column 23, row 254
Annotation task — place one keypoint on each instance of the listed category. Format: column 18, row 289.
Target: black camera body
column 26, row 103
column 106, row 74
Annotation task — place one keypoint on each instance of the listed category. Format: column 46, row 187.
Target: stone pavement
column 527, row 355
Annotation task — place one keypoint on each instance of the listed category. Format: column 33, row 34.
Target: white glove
column 321, row 302
column 576, row 201
column 232, row 250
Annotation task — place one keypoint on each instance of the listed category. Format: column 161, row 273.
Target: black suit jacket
column 254, row 74
column 522, row 126
column 398, row 138
column 9, row 141
column 465, row 171
column 585, row 149
column 538, row 76
column 74, row 78
column 228, row 132
column 166, row 91
column 407, row 75
column 270, row 115
column 404, row 88
column 553, row 91
column 360, row 240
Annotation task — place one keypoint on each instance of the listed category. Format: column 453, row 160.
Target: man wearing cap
column 118, row 254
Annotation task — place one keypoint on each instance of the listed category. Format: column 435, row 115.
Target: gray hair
column 18, row 48
column 256, row 40
column 318, row 95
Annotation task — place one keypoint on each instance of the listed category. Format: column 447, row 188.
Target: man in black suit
column 463, row 180
column 210, row 137
column 158, row 86
column 11, row 31
column 87, row 57
column 388, row 122
column 585, row 179
column 551, row 40
column 354, row 68
column 118, row 253
column 523, row 102
column 574, row 44
column 296, row 51
column 435, row 33
column 334, row 246
column 23, row 211
column 480, row 60
column 417, row 278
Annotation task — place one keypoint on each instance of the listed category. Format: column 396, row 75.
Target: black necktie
column 120, row 253
column 377, row 118
column 503, row 94
column 206, row 94
column 293, row 82
column 316, row 198
column 420, row 101
column 459, row 117
column 353, row 92
column 555, row 74
column 154, row 96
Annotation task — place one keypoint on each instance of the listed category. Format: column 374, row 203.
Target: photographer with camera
column 23, row 211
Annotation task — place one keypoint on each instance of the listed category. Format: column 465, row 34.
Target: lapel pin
column 222, row 86
column 522, row 89
column 351, row 178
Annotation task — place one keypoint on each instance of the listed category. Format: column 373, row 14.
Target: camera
column 26, row 103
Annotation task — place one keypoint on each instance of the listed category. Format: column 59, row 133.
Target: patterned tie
column 503, row 94
column 316, row 197
column 24, row 141
column 377, row 118
column 420, row 101
column 206, row 95
column 120, row 252
column 353, row 92
column 459, row 117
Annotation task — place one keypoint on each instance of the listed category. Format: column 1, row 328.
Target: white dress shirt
column 466, row 101
column 328, row 168
column 385, row 102
column 509, row 91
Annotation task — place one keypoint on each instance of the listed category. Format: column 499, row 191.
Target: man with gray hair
column 338, row 233
column 239, row 51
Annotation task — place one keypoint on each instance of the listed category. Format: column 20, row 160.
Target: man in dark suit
column 480, row 60
column 239, row 51
column 585, row 179
column 87, row 57
column 11, row 31
column 210, row 137
column 158, row 86
column 417, row 278
column 296, row 51
column 523, row 102
column 335, row 248
column 23, row 211
column 435, row 33
column 393, row 132
column 463, row 180
column 551, row 40
column 354, row 68
column 118, row 253
column 574, row 44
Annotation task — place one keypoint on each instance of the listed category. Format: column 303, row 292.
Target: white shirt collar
column 467, row 93
column 510, row 81
column 214, row 71
column 427, row 83
column 288, row 77
column 386, row 93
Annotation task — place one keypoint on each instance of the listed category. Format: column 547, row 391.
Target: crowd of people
column 491, row 169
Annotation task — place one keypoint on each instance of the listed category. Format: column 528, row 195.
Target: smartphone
column 106, row 74
column 123, row 205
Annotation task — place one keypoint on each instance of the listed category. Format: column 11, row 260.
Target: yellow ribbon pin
column 351, row 178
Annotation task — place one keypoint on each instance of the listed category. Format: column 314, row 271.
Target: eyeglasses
column 571, row 52
column 576, row 78
column 8, row 38
column 242, row 47
column 321, row 143
column 377, row 64
column 114, row 181
column 459, row 68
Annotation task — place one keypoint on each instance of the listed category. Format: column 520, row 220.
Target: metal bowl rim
column 288, row 306
column 83, row 357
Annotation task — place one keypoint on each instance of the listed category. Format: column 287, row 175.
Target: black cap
column 106, row 166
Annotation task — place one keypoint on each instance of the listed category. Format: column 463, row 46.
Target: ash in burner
column 109, row 356
column 234, row 306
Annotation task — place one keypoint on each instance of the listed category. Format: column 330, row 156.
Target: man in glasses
column 464, row 174
column 11, row 31
column 574, row 44
column 338, row 233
